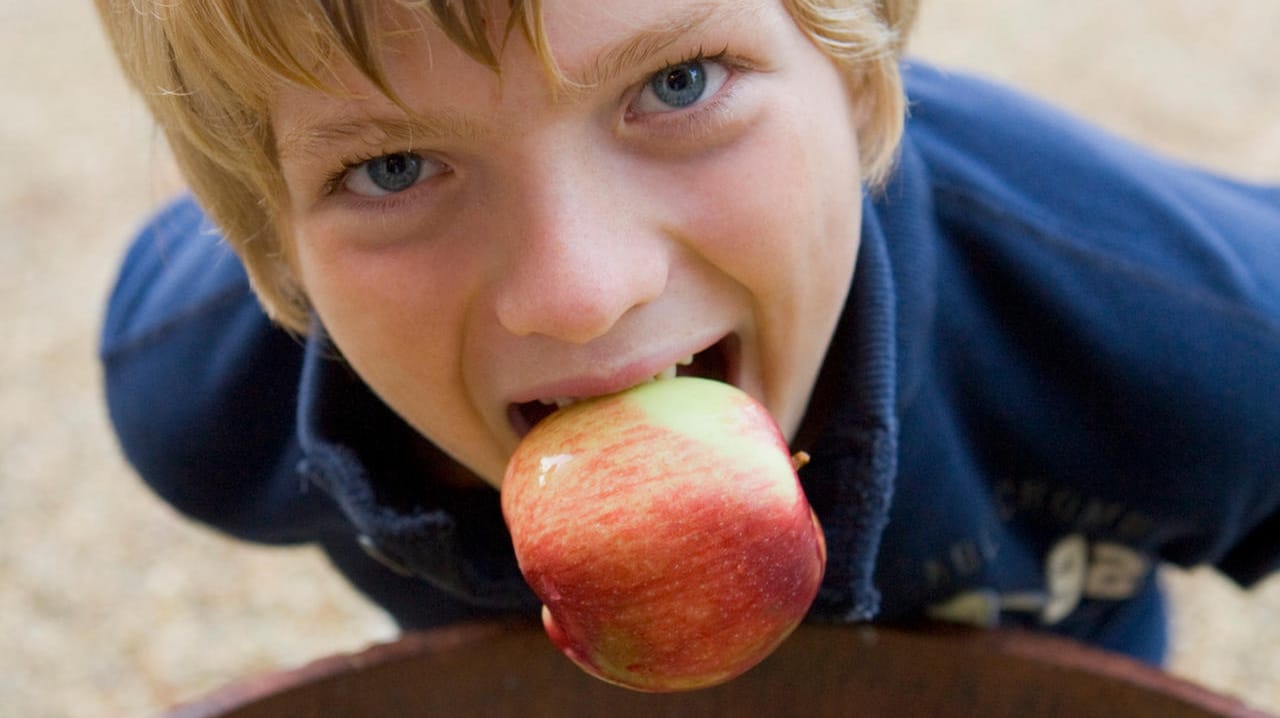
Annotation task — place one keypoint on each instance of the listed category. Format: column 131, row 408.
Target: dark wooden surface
column 503, row 669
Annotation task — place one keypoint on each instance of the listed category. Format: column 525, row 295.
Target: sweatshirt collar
column 871, row 371
column 366, row 458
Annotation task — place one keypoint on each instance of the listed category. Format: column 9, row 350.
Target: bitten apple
column 666, row 533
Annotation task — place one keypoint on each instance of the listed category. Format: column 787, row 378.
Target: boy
column 1029, row 361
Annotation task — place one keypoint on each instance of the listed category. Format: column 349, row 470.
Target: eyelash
column 693, row 117
column 333, row 185
column 335, row 180
column 686, row 120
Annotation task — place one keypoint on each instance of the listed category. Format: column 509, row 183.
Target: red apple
column 666, row 533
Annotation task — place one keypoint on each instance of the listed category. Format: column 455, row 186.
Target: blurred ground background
column 112, row 605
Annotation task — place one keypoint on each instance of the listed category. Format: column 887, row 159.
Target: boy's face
column 700, row 196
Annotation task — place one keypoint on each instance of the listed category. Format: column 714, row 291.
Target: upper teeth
column 561, row 402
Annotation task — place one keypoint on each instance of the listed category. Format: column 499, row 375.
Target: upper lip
column 627, row 375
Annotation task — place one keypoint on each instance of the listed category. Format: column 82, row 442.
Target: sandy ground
column 112, row 605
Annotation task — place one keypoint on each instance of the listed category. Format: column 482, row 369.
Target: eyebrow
column 646, row 43
column 374, row 130
column 608, row 65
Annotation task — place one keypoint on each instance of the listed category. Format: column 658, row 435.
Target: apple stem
column 799, row 459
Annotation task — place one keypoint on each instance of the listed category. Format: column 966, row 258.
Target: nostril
column 589, row 314
column 570, row 286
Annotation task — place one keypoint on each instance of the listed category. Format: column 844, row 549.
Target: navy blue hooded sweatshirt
column 1058, row 366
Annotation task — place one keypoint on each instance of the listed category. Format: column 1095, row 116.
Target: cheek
column 786, row 225
column 371, row 293
column 779, row 209
column 392, row 312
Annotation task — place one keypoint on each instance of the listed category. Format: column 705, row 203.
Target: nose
column 580, row 259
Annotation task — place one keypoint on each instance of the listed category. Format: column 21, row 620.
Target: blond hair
column 208, row 68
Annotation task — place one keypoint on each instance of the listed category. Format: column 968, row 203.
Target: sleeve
column 1130, row 305
column 1242, row 225
column 202, row 388
column 1248, row 234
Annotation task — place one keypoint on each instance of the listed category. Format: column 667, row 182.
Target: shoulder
column 191, row 367
column 176, row 268
column 1006, row 167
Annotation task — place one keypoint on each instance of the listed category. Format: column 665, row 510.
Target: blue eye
column 683, row 85
column 395, row 172
column 389, row 174
column 680, row 85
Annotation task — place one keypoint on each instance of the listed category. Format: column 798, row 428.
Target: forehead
column 588, row 43
column 576, row 31
column 578, row 36
column 569, row 31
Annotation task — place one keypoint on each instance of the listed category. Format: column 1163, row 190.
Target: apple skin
column 666, row 533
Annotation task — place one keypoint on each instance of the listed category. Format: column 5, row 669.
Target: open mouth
column 714, row 362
